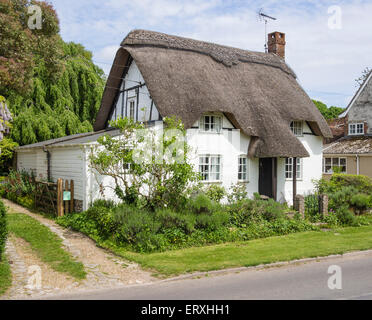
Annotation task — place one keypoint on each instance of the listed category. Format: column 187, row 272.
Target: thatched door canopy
column 186, row 78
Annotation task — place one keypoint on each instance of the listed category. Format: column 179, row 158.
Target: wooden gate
column 57, row 198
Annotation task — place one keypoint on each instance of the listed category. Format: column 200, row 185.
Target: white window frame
column 288, row 169
column 297, row 128
column 356, row 129
column 211, row 126
column 243, row 175
column 335, row 162
column 205, row 162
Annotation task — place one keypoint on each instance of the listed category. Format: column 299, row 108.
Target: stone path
column 105, row 270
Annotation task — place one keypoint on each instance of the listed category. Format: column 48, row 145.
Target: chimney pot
column 276, row 43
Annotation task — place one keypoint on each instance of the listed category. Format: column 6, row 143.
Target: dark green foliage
column 7, row 147
column 328, row 113
column 348, row 195
column 3, row 228
column 204, row 222
column 52, row 87
column 201, row 204
column 361, row 202
column 248, row 211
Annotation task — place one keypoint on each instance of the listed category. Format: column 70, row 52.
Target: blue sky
column 326, row 60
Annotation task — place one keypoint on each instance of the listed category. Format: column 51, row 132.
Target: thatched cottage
column 351, row 151
column 247, row 118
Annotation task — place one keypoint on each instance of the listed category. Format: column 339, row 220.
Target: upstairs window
column 243, row 168
column 289, row 168
column 211, row 124
column 329, row 165
column 356, row 128
column 297, row 128
column 210, row 168
column 132, row 105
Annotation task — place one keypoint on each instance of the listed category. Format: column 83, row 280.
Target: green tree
column 53, row 88
column 328, row 112
column 147, row 165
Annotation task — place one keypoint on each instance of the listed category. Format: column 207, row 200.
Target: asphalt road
column 303, row 281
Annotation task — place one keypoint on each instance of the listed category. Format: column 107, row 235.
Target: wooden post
column 294, row 180
column 65, row 203
column 60, row 198
column 72, row 208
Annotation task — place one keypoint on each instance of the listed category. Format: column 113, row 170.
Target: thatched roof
column 258, row 92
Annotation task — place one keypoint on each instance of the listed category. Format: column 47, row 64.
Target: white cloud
column 325, row 60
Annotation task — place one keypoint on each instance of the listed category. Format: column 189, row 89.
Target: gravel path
column 104, row 269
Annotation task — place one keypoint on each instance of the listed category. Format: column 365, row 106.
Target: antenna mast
column 265, row 18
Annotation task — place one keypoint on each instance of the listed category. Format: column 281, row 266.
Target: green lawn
column 46, row 244
column 5, row 275
column 255, row 252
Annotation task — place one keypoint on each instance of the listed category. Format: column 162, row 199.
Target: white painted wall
column 132, row 79
column 66, row 163
column 72, row 163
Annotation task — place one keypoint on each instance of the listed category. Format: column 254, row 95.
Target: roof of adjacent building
column 74, row 140
column 357, row 94
column 257, row 91
column 350, row 145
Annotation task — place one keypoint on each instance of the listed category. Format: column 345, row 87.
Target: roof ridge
column 227, row 55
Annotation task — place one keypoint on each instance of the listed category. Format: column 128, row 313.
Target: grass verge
column 252, row 253
column 5, row 275
column 46, row 244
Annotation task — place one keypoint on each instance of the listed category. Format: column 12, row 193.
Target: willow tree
column 53, row 88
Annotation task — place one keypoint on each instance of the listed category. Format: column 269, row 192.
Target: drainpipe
column 358, row 164
column 294, row 180
column 48, row 160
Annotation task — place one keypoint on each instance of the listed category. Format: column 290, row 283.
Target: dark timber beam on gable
column 118, row 92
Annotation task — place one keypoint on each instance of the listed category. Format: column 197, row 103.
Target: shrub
column 361, row 202
column 170, row 219
column 80, row 222
column 26, row 201
column 133, row 223
column 3, row 228
column 345, row 216
column 102, row 215
column 215, row 192
column 362, row 184
column 212, row 222
column 201, row 204
column 237, row 192
column 19, row 183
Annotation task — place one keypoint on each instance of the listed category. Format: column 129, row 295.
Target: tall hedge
column 3, row 228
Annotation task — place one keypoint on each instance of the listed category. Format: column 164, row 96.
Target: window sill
column 210, row 132
column 292, row 179
column 212, row 182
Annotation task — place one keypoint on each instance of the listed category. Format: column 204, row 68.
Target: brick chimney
column 277, row 43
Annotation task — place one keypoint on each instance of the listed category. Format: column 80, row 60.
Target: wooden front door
column 268, row 177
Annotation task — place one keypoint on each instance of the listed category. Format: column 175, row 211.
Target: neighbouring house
column 248, row 120
column 351, row 148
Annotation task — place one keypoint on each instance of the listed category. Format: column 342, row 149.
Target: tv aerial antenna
column 265, row 18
